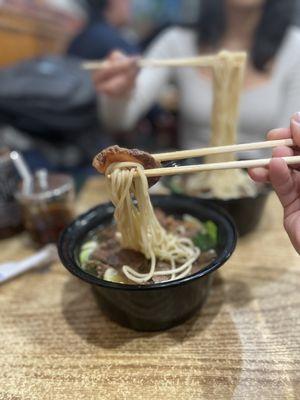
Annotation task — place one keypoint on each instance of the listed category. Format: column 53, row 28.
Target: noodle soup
column 101, row 253
column 245, row 209
column 144, row 246
column 158, row 306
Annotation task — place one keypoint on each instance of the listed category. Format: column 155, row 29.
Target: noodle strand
column 139, row 228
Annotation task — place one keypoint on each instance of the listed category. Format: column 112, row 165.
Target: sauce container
column 49, row 207
column 10, row 212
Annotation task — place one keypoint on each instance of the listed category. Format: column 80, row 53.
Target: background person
column 272, row 86
column 102, row 32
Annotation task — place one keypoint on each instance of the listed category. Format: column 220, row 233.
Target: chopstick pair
column 184, row 154
column 201, row 61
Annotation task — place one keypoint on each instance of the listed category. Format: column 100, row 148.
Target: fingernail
column 296, row 118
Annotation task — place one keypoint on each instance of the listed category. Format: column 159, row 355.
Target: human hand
column 117, row 76
column 285, row 180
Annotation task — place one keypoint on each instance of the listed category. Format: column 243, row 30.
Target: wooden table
column 245, row 344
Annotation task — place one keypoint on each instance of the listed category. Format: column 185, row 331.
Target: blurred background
column 48, row 107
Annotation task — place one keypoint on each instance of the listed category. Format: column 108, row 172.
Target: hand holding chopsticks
column 185, row 154
column 285, row 181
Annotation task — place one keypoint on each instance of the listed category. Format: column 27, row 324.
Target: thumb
column 282, row 181
column 295, row 128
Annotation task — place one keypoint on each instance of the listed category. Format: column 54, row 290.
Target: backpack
column 50, row 97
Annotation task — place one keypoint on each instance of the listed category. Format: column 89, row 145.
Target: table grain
column 244, row 344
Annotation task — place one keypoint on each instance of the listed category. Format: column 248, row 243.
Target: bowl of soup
column 246, row 207
column 89, row 249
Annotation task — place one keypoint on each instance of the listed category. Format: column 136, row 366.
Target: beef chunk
column 131, row 258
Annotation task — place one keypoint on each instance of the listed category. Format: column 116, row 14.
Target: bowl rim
column 264, row 189
column 72, row 266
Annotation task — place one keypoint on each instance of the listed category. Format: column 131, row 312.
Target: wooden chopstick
column 184, row 154
column 202, row 61
column 216, row 166
column 144, row 63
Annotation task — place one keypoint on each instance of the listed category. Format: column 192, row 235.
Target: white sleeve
column 123, row 113
column 290, row 102
column 291, row 98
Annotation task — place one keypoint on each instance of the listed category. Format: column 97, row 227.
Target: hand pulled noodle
column 139, row 228
column 228, row 76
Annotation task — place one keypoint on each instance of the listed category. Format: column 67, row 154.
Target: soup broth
column 101, row 253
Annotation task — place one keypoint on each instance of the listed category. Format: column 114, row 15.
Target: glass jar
column 49, row 208
column 10, row 212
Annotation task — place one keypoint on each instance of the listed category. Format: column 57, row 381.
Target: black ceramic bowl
column 246, row 212
column 156, row 306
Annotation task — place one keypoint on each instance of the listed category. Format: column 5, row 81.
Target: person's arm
column 125, row 98
column 285, row 180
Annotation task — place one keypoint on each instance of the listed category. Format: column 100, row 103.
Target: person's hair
column 276, row 17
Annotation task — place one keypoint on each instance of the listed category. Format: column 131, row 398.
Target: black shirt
column 97, row 40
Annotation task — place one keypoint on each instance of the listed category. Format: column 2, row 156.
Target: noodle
column 139, row 228
column 228, row 74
